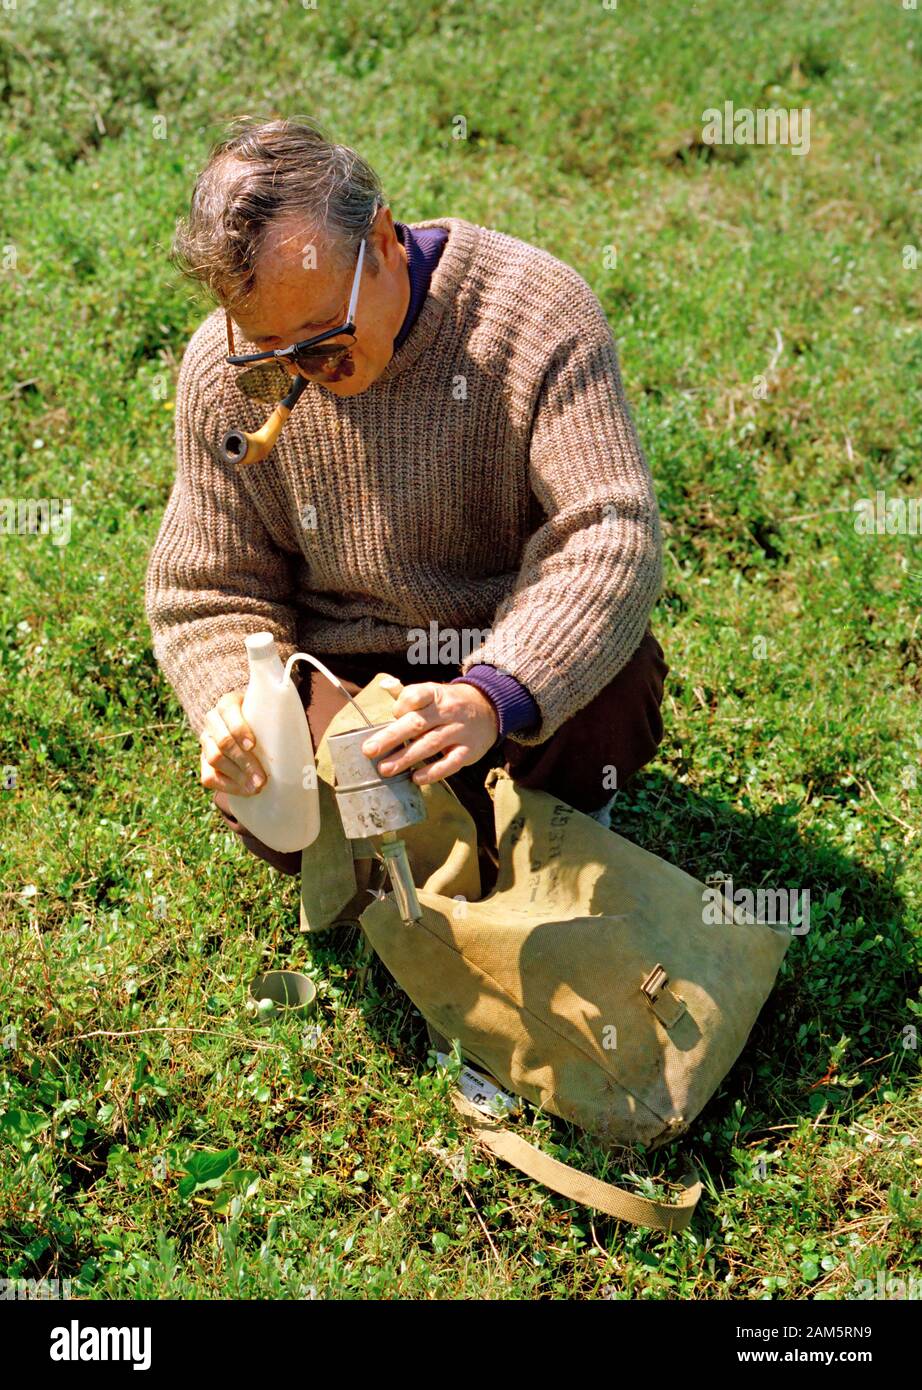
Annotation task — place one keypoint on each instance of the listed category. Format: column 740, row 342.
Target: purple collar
column 424, row 247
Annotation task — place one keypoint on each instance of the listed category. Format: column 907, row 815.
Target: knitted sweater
column 486, row 494
column 514, row 707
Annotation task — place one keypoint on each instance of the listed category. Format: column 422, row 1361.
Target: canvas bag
column 587, row 981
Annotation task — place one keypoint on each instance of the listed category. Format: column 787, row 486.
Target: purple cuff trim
column 514, row 706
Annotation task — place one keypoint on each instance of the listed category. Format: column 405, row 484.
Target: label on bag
column 481, row 1092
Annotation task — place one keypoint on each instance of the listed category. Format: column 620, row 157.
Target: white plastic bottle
column 285, row 812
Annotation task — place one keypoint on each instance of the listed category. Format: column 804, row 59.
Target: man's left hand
column 455, row 720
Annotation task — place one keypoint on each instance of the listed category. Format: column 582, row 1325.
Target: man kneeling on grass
column 465, row 463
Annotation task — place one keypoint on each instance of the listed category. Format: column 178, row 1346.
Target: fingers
column 226, row 740
column 453, row 761
column 230, row 710
column 216, row 759
column 423, row 697
column 424, row 747
column 416, row 711
column 417, row 696
column 216, row 780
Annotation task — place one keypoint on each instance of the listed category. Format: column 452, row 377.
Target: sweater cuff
column 515, row 708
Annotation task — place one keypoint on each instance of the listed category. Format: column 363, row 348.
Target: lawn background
column 768, row 328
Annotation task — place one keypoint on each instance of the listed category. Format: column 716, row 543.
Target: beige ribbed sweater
column 489, row 481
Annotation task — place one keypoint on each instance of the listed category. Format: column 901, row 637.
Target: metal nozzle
column 372, row 806
column 394, row 853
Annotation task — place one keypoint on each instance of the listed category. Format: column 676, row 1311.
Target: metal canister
column 281, row 994
column 369, row 803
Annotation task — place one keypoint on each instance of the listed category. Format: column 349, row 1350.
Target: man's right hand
column 228, row 765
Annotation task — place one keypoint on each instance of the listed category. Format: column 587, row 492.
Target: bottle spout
column 260, row 646
column 264, row 661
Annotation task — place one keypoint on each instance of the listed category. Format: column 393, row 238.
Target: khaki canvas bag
column 587, row 982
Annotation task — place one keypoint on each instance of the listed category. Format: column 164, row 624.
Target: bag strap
column 581, row 1187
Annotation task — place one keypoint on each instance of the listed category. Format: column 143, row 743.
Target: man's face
column 301, row 290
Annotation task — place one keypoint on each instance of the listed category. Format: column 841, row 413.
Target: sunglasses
column 313, row 356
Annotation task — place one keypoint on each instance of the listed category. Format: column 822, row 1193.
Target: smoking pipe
column 242, row 448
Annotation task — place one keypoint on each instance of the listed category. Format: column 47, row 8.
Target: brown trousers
column 591, row 755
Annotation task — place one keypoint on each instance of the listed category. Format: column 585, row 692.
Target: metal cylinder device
column 371, row 805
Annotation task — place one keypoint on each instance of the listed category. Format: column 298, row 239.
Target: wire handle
column 324, row 671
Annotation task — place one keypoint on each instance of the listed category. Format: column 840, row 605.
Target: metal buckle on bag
column 668, row 1007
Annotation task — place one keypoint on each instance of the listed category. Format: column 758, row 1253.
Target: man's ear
column 383, row 241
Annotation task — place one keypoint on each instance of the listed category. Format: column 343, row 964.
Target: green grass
column 792, row 761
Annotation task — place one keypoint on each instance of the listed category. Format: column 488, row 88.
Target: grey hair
column 261, row 172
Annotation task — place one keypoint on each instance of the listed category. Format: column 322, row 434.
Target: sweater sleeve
column 592, row 571
column 214, row 574
column 515, row 709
